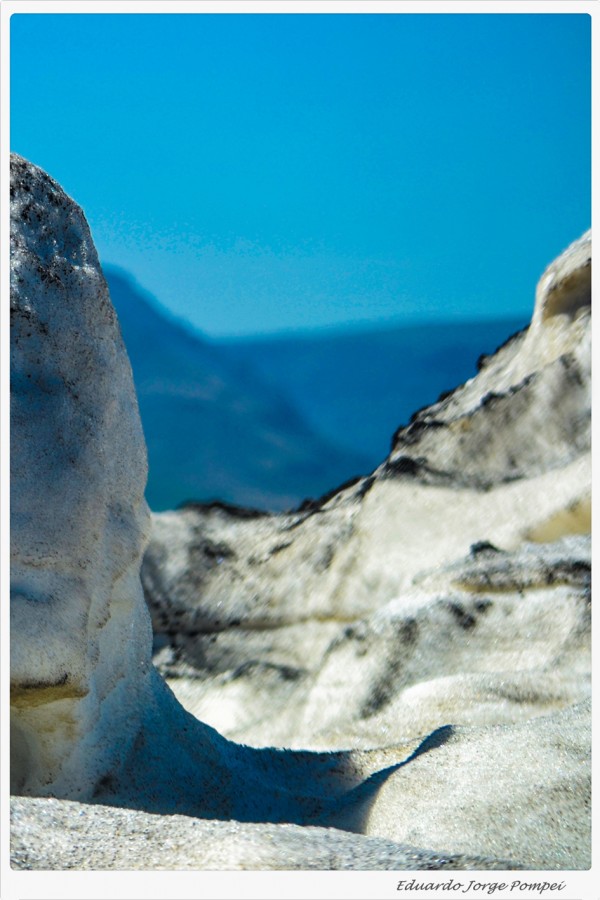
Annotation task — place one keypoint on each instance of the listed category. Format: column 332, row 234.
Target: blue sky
column 259, row 173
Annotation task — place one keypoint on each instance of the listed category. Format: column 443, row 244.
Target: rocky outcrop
column 246, row 607
column 507, row 454
column 79, row 521
column 91, row 719
column 450, row 586
column 528, row 410
column 421, row 636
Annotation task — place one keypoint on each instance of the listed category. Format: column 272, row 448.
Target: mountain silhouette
column 357, row 386
column 216, row 429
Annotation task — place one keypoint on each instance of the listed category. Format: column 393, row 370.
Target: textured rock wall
column 282, row 627
column 80, row 631
column 450, row 586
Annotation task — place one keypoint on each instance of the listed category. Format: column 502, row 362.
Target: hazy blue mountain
column 357, row 387
column 268, row 421
column 214, row 428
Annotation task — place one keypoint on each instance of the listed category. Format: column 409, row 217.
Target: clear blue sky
column 267, row 172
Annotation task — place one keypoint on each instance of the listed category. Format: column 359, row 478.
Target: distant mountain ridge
column 357, row 387
column 214, row 428
column 269, row 421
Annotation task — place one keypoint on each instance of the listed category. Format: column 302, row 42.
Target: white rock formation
column 528, row 410
column 365, row 620
column 503, row 458
column 281, row 628
column 80, row 661
column 452, row 586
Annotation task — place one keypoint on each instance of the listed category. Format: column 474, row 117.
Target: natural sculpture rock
column 342, row 583
column 80, row 661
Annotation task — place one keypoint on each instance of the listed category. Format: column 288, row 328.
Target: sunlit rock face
column 80, row 632
column 528, row 410
column 450, row 587
column 359, row 618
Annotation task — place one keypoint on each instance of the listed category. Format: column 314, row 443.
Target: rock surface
column 440, row 574
column 109, row 838
column 79, row 521
column 421, row 636
column 450, row 587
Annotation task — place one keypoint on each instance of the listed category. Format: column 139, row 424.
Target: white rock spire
column 80, row 631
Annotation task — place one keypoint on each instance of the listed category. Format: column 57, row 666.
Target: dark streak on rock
column 465, row 619
column 405, row 465
column 484, row 357
column 411, row 433
column 286, row 673
column 230, row 509
column 483, row 547
column 279, row 547
column 310, row 505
